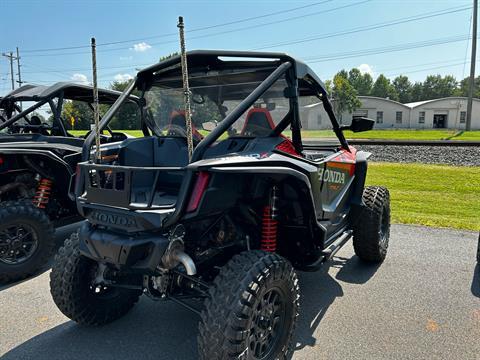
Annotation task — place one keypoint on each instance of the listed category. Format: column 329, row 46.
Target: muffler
column 175, row 255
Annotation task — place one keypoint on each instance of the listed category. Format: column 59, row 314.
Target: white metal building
column 431, row 114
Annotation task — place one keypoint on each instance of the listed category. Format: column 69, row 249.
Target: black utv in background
column 37, row 165
column 230, row 225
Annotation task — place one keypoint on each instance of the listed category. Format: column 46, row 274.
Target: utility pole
column 10, row 57
column 20, row 82
column 468, row 124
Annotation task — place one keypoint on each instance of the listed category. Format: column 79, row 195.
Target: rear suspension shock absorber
column 270, row 224
column 42, row 196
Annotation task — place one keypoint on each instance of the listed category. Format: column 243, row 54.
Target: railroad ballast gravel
column 449, row 155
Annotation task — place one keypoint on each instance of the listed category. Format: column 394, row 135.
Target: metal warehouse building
column 431, row 114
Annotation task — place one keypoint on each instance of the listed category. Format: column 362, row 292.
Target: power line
column 367, row 28
column 190, row 31
column 387, row 49
column 222, row 32
column 427, row 69
column 382, row 50
column 419, row 65
column 316, row 37
column 82, row 69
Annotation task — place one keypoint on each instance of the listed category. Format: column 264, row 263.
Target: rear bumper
column 140, row 252
column 126, row 220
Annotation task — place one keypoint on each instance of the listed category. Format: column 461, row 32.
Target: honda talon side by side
column 223, row 231
column 38, row 157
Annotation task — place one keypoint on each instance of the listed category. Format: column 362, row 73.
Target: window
column 360, row 113
column 421, row 117
column 398, row 117
column 379, row 117
column 463, row 117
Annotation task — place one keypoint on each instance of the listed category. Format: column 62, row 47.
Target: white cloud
column 80, row 78
column 123, row 77
column 365, row 69
column 140, row 47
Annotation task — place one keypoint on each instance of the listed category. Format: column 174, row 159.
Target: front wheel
column 73, row 289
column 26, row 240
column 371, row 233
column 251, row 310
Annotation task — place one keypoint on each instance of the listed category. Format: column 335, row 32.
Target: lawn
column 433, row 195
column 373, row 134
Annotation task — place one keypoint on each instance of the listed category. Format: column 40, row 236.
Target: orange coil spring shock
column 42, row 196
column 269, row 231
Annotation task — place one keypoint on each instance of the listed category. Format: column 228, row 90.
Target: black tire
column 26, row 240
column 230, row 325
column 372, row 230
column 72, row 291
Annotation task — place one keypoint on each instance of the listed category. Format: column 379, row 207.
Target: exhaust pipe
column 175, row 255
column 186, row 261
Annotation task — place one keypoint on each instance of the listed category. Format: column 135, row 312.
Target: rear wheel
column 252, row 309
column 372, row 231
column 73, row 288
column 26, row 240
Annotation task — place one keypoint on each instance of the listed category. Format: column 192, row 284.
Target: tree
column 344, row 95
column 361, row 82
column 168, row 56
column 403, row 88
column 80, row 112
column 436, row 86
column 416, row 92
column 128, row 116
column 462, row 87
column 383, row 88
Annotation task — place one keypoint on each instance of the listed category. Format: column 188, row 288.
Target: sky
column 393, row 37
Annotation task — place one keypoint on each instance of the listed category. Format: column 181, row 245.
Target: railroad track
column 402, row 142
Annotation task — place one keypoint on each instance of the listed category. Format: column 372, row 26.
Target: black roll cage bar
column 288, row 66
column 55, row 108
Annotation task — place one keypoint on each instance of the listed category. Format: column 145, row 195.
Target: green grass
column 433, row 195
column 373, row 134
column 409, row 134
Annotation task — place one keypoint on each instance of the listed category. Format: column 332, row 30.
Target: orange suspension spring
column 42, row 196
column 269, row 231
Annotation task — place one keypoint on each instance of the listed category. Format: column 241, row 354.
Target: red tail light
column 287, row 147
column 198, row 190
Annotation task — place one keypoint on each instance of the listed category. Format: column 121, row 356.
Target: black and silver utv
column 38, row 157
column 229, row 225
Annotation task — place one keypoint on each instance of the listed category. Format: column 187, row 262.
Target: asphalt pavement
column 423, row 302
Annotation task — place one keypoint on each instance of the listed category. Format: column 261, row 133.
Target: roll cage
column 43, row 95
column 301, row 81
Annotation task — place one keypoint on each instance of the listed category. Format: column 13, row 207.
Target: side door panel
column 337, row 177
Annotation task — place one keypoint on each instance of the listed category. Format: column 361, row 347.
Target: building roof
column 420, row 103
column 382, row 99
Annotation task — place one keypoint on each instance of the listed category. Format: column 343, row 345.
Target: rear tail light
column 286, row 146
column 198, row 190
